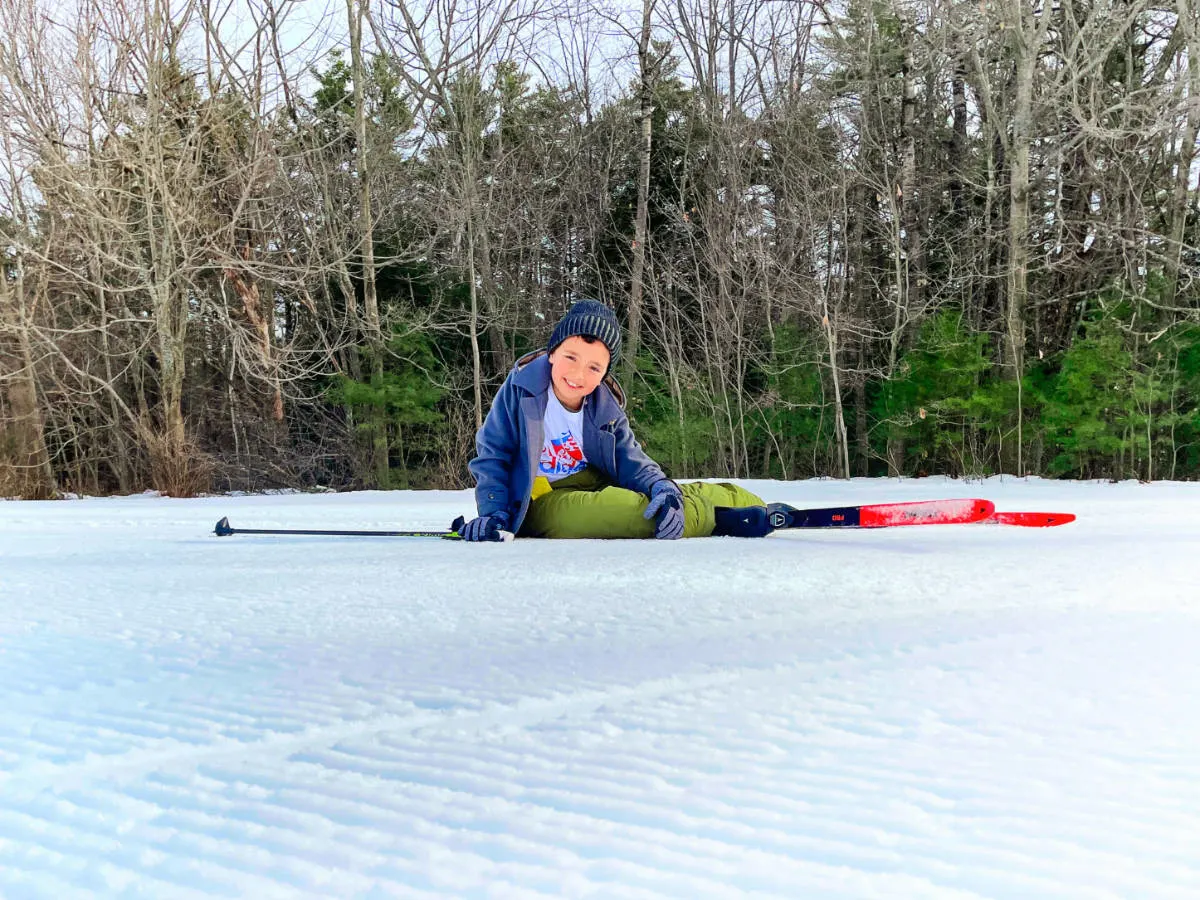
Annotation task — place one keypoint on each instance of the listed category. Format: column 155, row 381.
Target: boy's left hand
column 666, row 508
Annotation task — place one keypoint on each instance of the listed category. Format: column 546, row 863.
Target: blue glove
column 666, row 508
column 484, row 528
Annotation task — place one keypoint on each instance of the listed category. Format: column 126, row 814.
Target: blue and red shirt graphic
column 561, row 456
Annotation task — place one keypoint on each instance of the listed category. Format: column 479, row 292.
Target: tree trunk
column 1028, row 37
column 640, row 225
column 1187, row 149
column 29, row 457
column 843, row 445
column 958, row 141
column 862, row 443
column 250, row 295
column 912, row 283
column 379, row 424
column 476, row 361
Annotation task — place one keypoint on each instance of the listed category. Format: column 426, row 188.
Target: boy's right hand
column 666, row 509
column 484, row 528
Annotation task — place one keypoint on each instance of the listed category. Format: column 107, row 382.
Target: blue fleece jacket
column 509, row 444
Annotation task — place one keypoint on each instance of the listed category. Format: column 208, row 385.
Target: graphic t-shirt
column 562, row 452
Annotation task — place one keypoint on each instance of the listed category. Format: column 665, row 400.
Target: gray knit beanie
column 589, row 318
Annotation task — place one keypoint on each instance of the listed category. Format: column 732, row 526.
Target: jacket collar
column 532, row 374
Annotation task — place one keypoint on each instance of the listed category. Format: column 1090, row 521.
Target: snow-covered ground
column 933, row 712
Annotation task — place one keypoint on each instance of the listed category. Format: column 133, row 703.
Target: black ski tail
column 781, row 515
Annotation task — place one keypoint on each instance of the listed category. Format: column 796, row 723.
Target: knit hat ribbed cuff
column 589, row 318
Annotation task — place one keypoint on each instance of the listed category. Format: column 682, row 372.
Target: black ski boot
column 780, row 515
column 750, row 521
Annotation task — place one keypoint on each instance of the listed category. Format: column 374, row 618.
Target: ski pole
column 224, row 529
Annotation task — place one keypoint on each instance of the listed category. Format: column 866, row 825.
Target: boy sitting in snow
column 556, row 457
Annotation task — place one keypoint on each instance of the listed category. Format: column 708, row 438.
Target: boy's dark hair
column 589, row 319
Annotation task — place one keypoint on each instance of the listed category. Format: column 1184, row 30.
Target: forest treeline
column 883, row 237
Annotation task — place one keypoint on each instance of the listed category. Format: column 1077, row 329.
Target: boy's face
column 576, row 369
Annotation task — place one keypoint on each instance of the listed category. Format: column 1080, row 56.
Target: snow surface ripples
column 936, row 712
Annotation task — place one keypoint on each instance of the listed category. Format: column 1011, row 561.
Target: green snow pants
column 585, row 505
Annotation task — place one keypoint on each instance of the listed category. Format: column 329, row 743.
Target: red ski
column 1030, row 519
column 883, row 515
